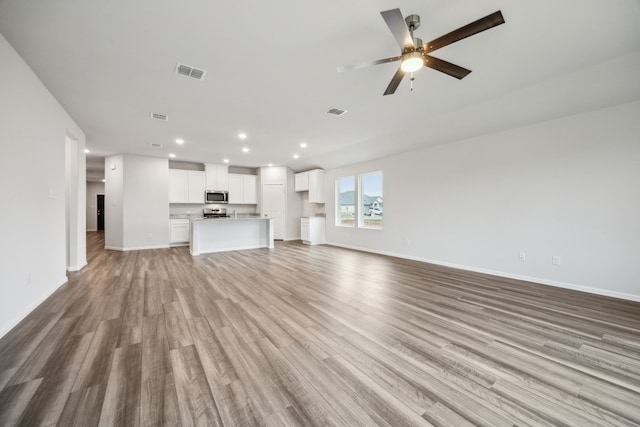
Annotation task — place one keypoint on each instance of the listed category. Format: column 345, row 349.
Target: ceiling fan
column 415, row 54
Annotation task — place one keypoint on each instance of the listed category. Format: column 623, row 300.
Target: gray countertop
column 239, row 218
column 199, row 217
column 185, row 216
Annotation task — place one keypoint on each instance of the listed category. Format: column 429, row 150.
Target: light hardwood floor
column 316, row 335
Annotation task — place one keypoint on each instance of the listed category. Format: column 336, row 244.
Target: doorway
column 273, row 206
column 100, row 211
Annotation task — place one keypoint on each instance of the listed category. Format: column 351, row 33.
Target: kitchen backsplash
column 180, row 209
column 311, row 209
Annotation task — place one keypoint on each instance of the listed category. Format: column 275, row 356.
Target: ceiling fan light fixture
column 411, row 61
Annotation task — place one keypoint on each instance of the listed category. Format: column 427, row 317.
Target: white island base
column 230, row 234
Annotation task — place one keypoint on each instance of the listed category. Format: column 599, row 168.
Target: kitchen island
column 230, row 234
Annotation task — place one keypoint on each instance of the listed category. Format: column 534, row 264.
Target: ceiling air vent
column 336, row 112
column 158, row 116
column 155, row 145
column 188, row 71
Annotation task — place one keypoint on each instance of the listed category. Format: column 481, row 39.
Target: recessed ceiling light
column 171, row 155
column 295, row 156
column 225, row 160
column 179, row 141
column 245, row 150
column 270, row 164
column 104, row 180
column 303, row 145
column 242, row 135
column 86, row 150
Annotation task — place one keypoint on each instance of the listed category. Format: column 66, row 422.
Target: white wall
column 136, row 202
column 568, row 187
column 75, row 194
column 146, row 202
column 113, row 199
column 93, row 189
column 32, row 183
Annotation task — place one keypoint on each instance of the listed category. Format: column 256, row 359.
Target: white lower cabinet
column 179, row 231
column 312, row 230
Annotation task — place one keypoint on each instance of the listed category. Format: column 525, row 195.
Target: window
column 371, row 206
column 345, row 201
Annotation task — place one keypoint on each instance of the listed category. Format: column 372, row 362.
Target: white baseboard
column 77, row 267
column 137, row 248
column 91, row 229
column 13, row 323
column 597, row 291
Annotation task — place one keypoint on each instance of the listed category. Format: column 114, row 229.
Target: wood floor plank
column 266, row 396
column 214, row 359
column 14, row 399
column 97, row 361
column 307, row 404
column 83, row 407
column 122, row 398
column 315, row 335
column 178, row 334
column 48, row 401
column 21, row 341
column 383, row 402
column 348, row 405
column 195, row 400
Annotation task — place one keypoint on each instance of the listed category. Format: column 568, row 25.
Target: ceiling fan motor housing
column 413, row 22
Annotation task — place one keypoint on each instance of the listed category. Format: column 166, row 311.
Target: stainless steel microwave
column 211, row 196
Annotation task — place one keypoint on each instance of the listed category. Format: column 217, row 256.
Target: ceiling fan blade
column 395, row 81
column 398, row 27
column 445, row 67
column 368, row 64
column 468, row 30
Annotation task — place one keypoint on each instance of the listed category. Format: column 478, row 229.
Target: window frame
column 338, row 215
column 360, row 209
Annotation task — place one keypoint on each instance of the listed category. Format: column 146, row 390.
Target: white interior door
column 273, row 206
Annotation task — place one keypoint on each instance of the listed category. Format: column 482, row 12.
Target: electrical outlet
column 556, row 260
column 523, row 256
column 150, row 236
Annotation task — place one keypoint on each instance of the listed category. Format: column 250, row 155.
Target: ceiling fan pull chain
column 411, row 80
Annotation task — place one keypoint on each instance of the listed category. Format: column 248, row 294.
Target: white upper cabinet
column 316, row 186
column 313, row 182
column 301, row 181
column 236, row 190
column 251, row 189
column 242, row 189
column 186, row 186
column 196, row 186
column 217, row 177
column 178, row 186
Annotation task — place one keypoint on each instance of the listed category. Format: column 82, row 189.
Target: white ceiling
column 271, row 72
